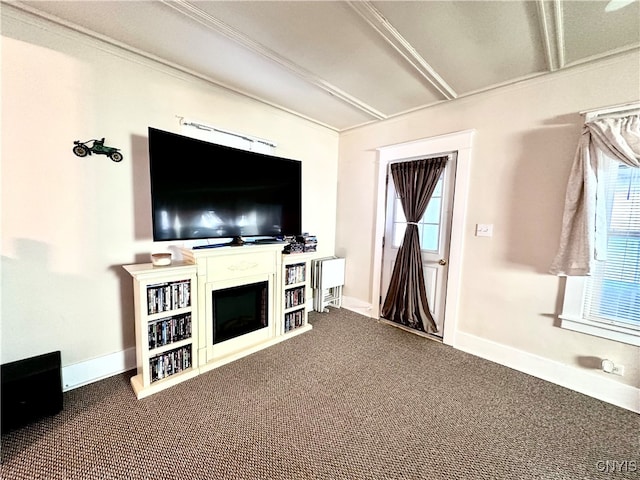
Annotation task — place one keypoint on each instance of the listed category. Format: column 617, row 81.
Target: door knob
column 442, row 261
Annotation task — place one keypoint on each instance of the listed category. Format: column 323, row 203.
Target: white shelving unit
column 174, row 310
column 166, row 325
column 296, row 292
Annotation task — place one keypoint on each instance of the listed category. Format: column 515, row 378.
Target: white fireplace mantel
column 225, row 267
column 174, row 309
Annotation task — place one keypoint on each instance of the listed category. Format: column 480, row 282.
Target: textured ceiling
column 344, row 64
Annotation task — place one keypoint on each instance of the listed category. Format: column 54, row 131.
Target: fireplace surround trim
column 233, row 266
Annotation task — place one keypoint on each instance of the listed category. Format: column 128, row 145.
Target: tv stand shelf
column 296, row 292
column 174, row 309
column 166, row 325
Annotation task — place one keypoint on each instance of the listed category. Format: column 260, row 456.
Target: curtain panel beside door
column 406, row 301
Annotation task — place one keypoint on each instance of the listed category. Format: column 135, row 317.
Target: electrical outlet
column 609, row 367
column 618, row 370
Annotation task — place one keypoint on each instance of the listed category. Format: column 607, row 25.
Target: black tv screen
column 203, row 190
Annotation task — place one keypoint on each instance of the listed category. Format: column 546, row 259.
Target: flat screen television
column 202, row 190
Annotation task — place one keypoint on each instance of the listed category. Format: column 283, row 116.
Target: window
column 607, row 303
column 428, row 225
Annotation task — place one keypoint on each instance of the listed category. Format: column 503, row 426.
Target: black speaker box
column 31, row 389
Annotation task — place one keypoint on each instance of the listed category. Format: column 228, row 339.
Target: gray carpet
column 352, row 399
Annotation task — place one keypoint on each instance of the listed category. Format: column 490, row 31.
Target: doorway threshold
column 430, row 336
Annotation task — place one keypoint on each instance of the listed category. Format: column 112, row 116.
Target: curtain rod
column 209, row 128
column 623, row 107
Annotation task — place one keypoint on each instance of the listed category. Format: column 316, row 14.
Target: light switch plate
column 484, row 230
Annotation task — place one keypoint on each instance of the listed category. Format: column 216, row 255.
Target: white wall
column 525, row 140
column 69, row 223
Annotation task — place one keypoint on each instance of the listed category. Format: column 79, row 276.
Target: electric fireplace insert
column 239, row 310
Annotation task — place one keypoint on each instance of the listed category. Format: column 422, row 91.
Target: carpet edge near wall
column 567, row 376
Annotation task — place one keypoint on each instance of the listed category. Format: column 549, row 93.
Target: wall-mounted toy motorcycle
column 82, row 149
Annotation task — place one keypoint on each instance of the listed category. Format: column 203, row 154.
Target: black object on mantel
column 31, row 389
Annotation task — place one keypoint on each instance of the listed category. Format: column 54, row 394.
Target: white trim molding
column 572, row 316
column 573, row 378
column 358, row 306
column 612, row 332
column 579, row 380
column 389, row 33
column 190, row 10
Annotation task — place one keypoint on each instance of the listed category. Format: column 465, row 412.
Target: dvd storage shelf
column 294, row 297
column 163, row 297
column 295, row 289
column 169, row 330
column 170, row 363
column 165, row 301
column 295, row 273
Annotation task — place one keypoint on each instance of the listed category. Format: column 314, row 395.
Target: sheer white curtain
column 603, row 142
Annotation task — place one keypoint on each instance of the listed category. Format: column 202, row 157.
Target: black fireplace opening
column 239, row 310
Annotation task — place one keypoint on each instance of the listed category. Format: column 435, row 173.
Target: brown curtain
column 406, row 301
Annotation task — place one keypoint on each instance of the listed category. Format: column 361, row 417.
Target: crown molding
column 376, row 20
column 209, row 21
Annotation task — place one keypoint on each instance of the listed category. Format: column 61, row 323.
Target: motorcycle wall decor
column 82, row 149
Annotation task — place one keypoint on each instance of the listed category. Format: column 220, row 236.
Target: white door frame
column 460, row 142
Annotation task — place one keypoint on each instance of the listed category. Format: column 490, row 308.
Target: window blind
column 613, row 291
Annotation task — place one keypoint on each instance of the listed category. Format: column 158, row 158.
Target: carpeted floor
column 352, row 399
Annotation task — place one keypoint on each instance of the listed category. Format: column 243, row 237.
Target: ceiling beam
column 559, row 17
column 550, row 16
column 193, row 12
column 387, row 31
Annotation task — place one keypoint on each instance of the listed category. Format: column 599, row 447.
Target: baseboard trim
column 615, row 393
column 579, row 380
column 84, row 373
column 358, row 306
